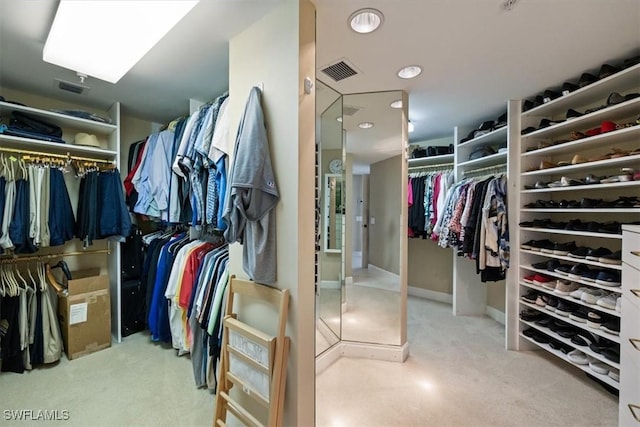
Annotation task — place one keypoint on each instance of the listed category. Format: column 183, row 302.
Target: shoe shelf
column 633, row 160
column 574, row 260
column 570, row 299
column 573, row 188
column 614, row 289
column 432, row 160
column 582, row 210
column 493, row 159
column 620, row 114
column 573, row 233
column 595, row 93
column 566, row 319
column 604, row 141
column 604, row 378
column 497, row 136
column 585, row 349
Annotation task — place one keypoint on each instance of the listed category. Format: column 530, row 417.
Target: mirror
column 373, row 218
column 334, row 213
column 330, row 217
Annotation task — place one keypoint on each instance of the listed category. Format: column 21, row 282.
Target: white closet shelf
column 614, row 289
column 568, row 298
column 604, row 378
column 493, row 159
column 584, row 349
column 604, row 141
column 584, row 187
column 575, row 260
column 594, row 93
column 613, row 113
column 589, row 166
column 573, row 233
column 433, row 160
column 55, row 148
column 583, row 326
column 62, row 120
column 496, row 136
column 585, row 210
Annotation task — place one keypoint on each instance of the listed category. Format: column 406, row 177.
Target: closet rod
column 15, row 258
column 438, row 166
column 62, row 156
column 494, row 169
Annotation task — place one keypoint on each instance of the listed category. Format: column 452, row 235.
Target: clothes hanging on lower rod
column 185, row 283
column 427, row 191
column 29, row 330
column 475, row 223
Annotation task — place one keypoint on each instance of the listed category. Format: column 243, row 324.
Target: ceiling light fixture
column 83, row 37
column 339, row 118
column 396, row 104
column 365, row 125
column 410, row 71
column 365, row 21
column 410, row 126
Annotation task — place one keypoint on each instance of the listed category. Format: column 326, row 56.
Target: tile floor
column 458, row 374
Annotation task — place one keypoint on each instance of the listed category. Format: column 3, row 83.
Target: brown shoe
column 577, row 159
column 546, row 165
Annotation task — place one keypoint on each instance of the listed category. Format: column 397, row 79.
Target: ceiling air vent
column 350, row 110
column 67, row 86
column 339, row 71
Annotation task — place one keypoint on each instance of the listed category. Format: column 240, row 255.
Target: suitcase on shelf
column 133, row 308
column 132, row 254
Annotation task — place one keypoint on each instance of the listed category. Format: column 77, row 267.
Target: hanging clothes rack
column 489, row 170
column 440, row 167
column 67, row 156
column 15, row 259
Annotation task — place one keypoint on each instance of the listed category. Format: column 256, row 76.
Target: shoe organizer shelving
column 601, row 144
column 446, row 159
column 109, row 136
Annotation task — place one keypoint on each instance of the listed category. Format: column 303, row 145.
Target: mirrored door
column 331, row 218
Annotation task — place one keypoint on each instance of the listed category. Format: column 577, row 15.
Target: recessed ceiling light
column 410, row 72
column 411, row 128
column 365, row 21
column 396, row 104
column 365, row 125
column 339, row 118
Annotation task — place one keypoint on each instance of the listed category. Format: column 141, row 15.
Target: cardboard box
column 84, row 311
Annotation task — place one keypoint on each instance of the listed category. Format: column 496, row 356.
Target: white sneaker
column 607, row 301
column 591, row 296
column 614, row 374
column 578, row 357
column 619, row 304
column 577, row 294
column 598, row 367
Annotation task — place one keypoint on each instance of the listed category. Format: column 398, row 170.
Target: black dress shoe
column 590, row 203
column 564, row 248
column 586, row 79
column 568, row 87
column 611, row 228
column 595, row 254
column 606, row 70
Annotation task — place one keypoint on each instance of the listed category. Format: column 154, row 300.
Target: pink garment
column 436, row 192
column 410, row 193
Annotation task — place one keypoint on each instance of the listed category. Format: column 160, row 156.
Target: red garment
column 190, row 273
column 128, row 185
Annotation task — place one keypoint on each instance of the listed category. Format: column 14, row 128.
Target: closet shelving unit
column 469, row 293
column 432, row 161
column 559, row 148
column 109, row 132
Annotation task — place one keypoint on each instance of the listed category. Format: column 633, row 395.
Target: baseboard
column 348, row 280
column 391, row 353
column 382, row 270
column 430, row 295
column 495, row 314
column 328, row 357
column 326, row 331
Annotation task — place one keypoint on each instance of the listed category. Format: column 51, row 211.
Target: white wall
column 279, row 51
